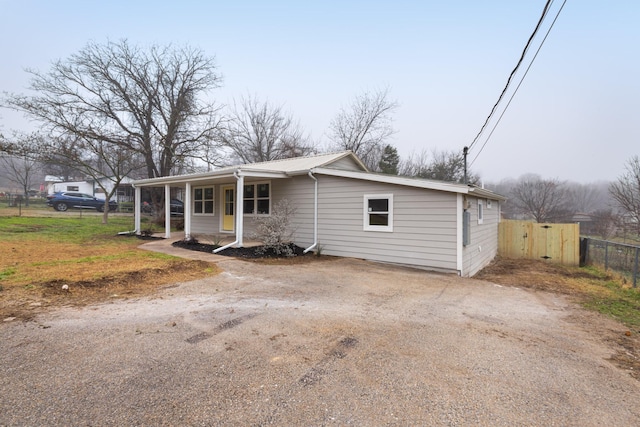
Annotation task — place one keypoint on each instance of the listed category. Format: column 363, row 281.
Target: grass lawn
column 39, row 255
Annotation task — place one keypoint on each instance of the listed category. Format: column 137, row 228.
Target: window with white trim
column 203, row 201
column 257, row 199
column 480, row 212
column 378, row 212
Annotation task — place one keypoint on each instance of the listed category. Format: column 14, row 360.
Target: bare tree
column 626, row 192
column 544, row 200
column 604, row 223
column 259, row 131
column 103, row 162
column 144, row 101
column 365, row 126
column 439, row 165
column 587, row 198
column 17, row 164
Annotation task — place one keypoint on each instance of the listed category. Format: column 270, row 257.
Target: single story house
column 344, row 209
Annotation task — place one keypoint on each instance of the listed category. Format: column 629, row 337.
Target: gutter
column 315, row 214
column 238, row 213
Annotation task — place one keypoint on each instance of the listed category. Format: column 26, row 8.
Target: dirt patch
column 25, row 302
column 533, row 274
column 574, row 282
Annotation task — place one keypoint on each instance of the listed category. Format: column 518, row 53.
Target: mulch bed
column 252, row 252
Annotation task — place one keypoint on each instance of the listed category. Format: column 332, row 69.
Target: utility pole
column 465, row 151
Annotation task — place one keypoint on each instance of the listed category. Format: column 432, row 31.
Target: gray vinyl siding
column 207, row 225
column 424, row 224
column 484, row 238
column 298, row 190
column 346, row 163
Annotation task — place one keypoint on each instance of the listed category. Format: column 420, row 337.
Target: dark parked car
column 176, row 207
column 65, row 200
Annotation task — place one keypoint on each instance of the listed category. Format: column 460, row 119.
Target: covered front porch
column 217, row 205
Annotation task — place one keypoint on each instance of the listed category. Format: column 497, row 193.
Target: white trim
column 270, row 169
column 393, row 179
column 366, row 226
column 223, row 202
column 192, row 207
column 315, row 214
column 167, row 211
column 186, row 211
column 255, row 199
column 480, row 212
column 239, row 201
column 459, row 236
column 136, row 209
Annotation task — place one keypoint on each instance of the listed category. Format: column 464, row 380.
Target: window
column 378, row 212
column 73, row 188
column 203, row 201
column 480, row 212
column 257, row 199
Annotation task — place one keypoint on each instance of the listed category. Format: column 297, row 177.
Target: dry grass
column 542, row 275
column 34, row 267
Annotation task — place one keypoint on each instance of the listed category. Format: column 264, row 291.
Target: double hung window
column 378, row 212
column 203, row 200
column 257, row 199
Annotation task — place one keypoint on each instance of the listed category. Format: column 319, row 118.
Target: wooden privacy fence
column 554, row 242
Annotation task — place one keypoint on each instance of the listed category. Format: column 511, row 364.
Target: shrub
column 146, row 232
column 275, row 232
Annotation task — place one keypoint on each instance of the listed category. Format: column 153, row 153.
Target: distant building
column 124, row 192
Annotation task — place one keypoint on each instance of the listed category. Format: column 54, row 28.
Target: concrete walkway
column 164, row 246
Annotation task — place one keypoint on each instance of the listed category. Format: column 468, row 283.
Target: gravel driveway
column 339, row 342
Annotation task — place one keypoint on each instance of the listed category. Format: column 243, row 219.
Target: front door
column 228, row 208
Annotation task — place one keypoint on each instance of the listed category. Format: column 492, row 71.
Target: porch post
column 186, row 215
column 136, row 210
column 167, row 211
column 239, row 209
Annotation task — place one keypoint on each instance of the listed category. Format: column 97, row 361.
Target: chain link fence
column 619, row 257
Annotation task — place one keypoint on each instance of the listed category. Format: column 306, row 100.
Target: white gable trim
column 394, row 179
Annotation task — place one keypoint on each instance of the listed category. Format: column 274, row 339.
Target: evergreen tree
column 390, row 160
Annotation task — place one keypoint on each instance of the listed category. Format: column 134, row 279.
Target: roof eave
column 481, row 192
column 207, row 176
column 394, row 179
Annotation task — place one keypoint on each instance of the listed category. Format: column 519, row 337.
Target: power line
column 524, row 52
column 520, row 83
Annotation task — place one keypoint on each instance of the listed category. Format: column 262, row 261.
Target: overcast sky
column 575, row 117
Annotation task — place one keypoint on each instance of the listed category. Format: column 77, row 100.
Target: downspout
column 315, row 214
column 238, row 213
